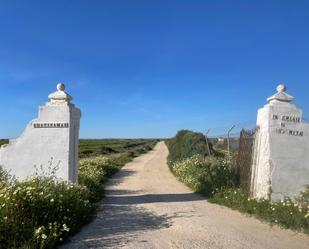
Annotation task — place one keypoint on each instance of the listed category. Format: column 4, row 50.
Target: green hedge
column 186, row 144
column 189, row 160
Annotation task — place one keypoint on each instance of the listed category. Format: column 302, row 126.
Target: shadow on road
column 117, row 225
column 149, row 198
column 120, row 176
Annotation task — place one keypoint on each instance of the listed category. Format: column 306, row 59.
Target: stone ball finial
column 281, row 88
column 60, row 87
column 60, row 97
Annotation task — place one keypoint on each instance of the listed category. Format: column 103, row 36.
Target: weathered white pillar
column 281, row 151
column 49, row 141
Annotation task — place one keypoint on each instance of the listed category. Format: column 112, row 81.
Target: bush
column 186, row 144
column 93, row 172
column 105, row 150
column 40, row 212
column 123, row 159
column 289, row 214
column 204, row 175
column 86, row 153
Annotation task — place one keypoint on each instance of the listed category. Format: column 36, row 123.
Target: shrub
column 107, row 150
column 186, row 144
column 40, row 212
column 93, row 172
column 286, row 213
column 204, row 175
column 86, row 153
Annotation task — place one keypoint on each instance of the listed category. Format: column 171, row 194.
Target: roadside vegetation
column 95, row 171
column 41, row 212
column 288, row 213
column 214, row 176
column 3, row 141
column 204, row 175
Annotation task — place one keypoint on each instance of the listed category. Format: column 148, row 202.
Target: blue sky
column 150, row 68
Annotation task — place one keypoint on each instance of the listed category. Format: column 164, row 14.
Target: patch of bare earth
column 146, row 207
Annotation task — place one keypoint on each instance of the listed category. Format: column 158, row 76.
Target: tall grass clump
column 41, row 212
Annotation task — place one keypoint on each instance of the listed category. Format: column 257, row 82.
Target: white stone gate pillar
column 49, row 140
column 281, row 151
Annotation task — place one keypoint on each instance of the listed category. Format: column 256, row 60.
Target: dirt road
column 146, row 207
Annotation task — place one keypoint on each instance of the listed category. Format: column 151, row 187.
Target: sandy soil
column 146, row 207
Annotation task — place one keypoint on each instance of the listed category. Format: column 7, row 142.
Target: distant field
column 94, row 147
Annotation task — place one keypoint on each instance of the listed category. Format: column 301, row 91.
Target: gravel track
column 146, row 207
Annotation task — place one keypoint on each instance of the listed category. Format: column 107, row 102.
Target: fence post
column 228, row 140
column 206, row 137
